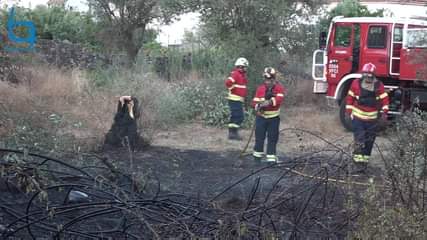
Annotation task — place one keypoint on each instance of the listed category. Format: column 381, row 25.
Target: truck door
column 375, row 47
column 340, row 55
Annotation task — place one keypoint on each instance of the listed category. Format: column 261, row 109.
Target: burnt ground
column 195, row 172
column 299, row 198
column 206, row 174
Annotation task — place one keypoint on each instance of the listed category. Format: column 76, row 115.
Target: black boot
column 359, row 168
column 233, row 134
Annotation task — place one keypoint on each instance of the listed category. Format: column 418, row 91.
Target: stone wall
column 65, row 54
column 62, row 54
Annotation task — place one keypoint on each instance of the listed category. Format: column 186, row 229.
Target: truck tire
column 344, row 117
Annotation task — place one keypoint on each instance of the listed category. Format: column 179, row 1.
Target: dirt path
column 320, row 129
column 200, row 160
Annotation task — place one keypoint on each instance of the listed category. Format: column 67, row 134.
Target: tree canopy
column 125, row 22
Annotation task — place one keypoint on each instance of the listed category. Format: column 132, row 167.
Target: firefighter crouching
column 267, row 101
column 365, row 98
column 236, row 84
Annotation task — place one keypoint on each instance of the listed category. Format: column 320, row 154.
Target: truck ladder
column 393, row 58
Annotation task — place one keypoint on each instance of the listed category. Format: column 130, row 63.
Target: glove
column 265, row 103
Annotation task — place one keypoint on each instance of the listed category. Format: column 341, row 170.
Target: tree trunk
column 130, row 46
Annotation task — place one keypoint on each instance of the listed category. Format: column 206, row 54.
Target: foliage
column 58, row 23
column 170, row 103
column 48, row 138
column 258, row 30
column 349, row 8
column 176, row 64
column 398, row 210
column 125, row 22
column 188, row 101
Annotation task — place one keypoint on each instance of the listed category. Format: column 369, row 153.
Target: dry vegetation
column 86, row 112
column 61, row 111
column 63, row 103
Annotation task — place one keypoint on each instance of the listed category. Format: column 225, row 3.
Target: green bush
column 188, row 101
column 216, row 112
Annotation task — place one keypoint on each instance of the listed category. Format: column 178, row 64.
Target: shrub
column 398, row 210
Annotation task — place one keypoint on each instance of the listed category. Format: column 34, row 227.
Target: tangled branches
column 76, row 203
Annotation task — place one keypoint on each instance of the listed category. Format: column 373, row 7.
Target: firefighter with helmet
column 237, row 91
column 267, row 101
column 365, row 99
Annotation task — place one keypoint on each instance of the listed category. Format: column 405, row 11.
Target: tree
column 56, row 23
column 126, row 21
column 59, row 23
column 349, row 8
column 257, row 29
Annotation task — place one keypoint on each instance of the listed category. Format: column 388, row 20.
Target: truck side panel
column 413, row 64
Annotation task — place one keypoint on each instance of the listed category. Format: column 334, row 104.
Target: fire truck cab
column 397, row 47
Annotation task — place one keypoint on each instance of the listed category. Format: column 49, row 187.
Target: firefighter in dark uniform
column 236, row 85
column 365, row 99
column 267, row 101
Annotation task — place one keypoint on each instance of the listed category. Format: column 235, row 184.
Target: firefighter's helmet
column 241, row 62
column 369, row 68
column 269, row 72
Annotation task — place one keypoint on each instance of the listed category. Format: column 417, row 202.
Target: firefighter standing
column 365, row 98
column 267, row 101
column 236, row 84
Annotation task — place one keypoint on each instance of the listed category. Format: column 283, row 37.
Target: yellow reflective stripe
column 271, row 114
column 384, row 95
column 364, row 115
column 234, row 97
column 358, row 158
column 366, row 158
column 370, row 114
column 258, row 154
column 232, row 86
column 361, row 116
column 259, row 99
column 280, row 95
column 351, row 93
column 232, row 79
column 233, row 125
column 273, row 99
column 348, row 106
column 239, row 86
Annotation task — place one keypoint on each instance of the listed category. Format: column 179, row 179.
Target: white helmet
column 242, row 62
column 269, row 72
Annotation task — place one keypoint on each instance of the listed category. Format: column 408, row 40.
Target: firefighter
column 267, row 101
column 364, row 100
column 236, row 84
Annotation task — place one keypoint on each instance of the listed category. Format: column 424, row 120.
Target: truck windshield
column 417, row 38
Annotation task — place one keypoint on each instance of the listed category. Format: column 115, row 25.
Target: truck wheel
column 344, row 117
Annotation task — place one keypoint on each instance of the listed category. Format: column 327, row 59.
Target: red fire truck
column 397, row 47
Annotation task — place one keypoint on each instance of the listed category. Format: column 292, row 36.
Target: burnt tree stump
column 124, row 131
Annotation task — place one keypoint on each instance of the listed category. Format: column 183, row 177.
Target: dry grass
column 70, row 95
column 66, row 94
